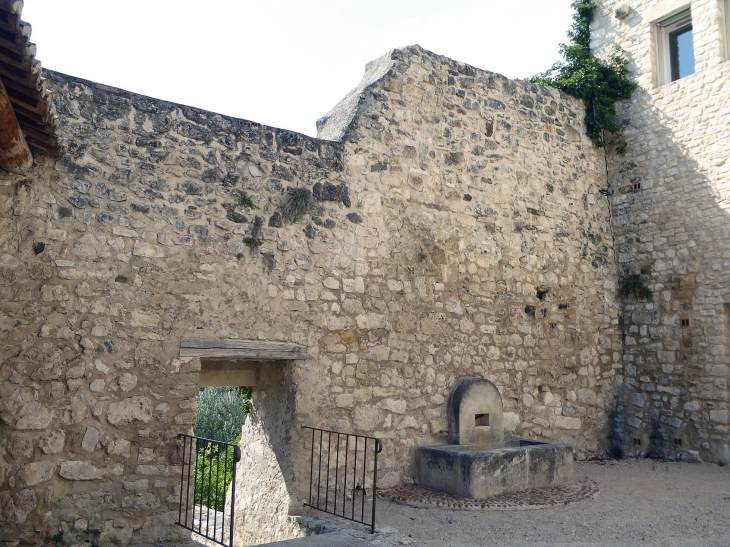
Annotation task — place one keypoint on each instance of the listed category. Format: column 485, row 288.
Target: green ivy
column 634, row 286
column 599, row 82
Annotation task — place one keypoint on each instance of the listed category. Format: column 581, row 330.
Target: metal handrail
column 377, row 447
column 220, row 454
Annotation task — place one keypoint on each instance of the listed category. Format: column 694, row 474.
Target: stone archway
column 265, row 474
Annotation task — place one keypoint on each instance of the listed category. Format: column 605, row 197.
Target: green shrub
column 221, row 413
column 599, row 82
column 213, row 475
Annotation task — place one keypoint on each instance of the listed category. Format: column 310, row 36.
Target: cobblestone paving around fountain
column 417, row 496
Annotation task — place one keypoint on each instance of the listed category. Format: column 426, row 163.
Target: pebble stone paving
column 417, row 496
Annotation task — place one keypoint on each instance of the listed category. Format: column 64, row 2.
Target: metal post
column 223, row 513
column 311, row 469
column 364, row 470
column 378, row 448
column 319, row 467
column 236, row 459
column 354, row 478
column 327, row 486
column 187, row 501
column 210, row 477
column 344, row 486
column 182, row 477
column 337, row 471
column 217, row 486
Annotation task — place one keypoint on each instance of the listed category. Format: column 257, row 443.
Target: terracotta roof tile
column 21, row 73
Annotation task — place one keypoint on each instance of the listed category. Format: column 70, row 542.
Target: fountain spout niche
column 478, row 462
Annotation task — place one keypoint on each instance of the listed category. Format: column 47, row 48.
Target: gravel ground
column 640, row 502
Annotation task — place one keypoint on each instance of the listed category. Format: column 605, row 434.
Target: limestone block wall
column 455, row 229
column 670, row 218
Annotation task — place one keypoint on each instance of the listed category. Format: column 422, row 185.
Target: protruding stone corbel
column 15, row 155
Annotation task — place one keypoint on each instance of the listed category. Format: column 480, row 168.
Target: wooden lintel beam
column 15, row 155
column 241, row 349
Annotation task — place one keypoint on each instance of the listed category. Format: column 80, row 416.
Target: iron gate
column 208, row 469
column 348, row 460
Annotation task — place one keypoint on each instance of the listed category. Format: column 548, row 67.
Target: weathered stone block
column 34, row 416
column 37, row 472
column 131, row 409
column 79, row 471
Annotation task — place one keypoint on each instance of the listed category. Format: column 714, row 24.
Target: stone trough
column 478, row 462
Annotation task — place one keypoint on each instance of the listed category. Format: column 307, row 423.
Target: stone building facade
column 671, row 226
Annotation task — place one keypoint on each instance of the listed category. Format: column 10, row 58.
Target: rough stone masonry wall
column 110, row 255
column 457, row 230
column 486, row 252
column 674, row 230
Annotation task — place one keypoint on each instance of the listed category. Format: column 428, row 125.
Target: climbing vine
column 599, row 82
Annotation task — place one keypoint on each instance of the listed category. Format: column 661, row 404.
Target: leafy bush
column 221, row 413
column 213, row 475
column 599, row 82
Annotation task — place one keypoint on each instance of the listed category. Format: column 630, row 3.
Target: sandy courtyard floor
column 640, row 502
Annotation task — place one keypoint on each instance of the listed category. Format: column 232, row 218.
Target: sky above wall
column 282, row 63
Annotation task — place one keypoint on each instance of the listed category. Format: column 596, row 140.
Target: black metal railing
column 349, row 466
column 208, row 469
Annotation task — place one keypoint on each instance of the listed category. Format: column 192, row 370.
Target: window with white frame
column 675, row 45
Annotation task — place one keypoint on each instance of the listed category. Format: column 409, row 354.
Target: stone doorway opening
column 265, row 475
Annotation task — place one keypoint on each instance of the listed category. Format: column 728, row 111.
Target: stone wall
column 457, row 229
column 670, row 219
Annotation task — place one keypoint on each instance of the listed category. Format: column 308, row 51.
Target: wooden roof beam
column 15, row 155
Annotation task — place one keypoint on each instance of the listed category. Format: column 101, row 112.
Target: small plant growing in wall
column 634, row 286
column 56, row 539
column 244, row 200
column 296, row 203
column 255, row 241
column 597, row 81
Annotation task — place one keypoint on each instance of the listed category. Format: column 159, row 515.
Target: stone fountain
column 477, row 461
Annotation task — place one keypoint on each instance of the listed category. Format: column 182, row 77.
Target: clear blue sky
column 282, row 62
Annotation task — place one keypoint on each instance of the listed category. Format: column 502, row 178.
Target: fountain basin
column 476, row 471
